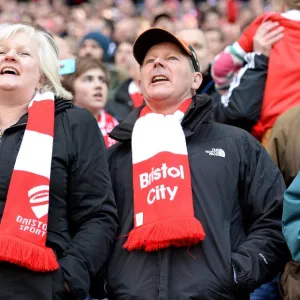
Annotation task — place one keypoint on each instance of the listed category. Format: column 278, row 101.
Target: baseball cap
column 155, row 36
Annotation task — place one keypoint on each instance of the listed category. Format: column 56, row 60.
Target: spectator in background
column 128, row 96
column 126, row 30
column 89, row 85
column 211, row 19
column 94, row 44
column 239, row 105
column 123, row 55
column 103, row 25
column 196, row 38
column 281, row 92
column 284, row 144
column 215, row 41
column 164, row 21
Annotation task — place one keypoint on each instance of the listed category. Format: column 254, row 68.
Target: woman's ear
column 41, row 83
column 197, row 80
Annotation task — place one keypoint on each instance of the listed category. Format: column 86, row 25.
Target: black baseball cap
column 155, row 36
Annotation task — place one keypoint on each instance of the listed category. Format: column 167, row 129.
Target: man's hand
column 267, row 34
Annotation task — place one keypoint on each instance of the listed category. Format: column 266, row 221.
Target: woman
column 89, row 85
column 58, row 215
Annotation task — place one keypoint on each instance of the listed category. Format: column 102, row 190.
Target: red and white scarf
column 135, row 94
column 163, row 201
column 106, row 123
column 23, row 228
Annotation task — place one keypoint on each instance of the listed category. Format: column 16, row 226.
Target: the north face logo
column 216, row 152
column 39, row 197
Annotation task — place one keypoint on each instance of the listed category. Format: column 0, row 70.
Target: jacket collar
column 198, row 113
column 60, row 105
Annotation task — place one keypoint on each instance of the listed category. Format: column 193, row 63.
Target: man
column 199, row 202
column 94, row 44
column 196, row 38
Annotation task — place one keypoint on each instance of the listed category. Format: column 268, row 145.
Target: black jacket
column 241, row 106
column 237, row 198
column 121, row 105
column 82, row 215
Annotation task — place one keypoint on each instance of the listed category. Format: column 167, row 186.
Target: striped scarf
column 23, row 228
column 163, row 201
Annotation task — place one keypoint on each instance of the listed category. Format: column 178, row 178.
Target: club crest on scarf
column 163, row 203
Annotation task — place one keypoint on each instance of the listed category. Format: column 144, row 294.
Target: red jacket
column 282, row 86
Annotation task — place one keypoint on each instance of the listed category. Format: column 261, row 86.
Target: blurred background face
column 90, row 48
column 212, row 20
column 215, row 42
column 123, row 55
column 164, row 23
column 126, row 30
column 90, row 90
column 196, row 39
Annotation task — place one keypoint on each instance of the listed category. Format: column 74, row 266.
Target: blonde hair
column 48, row 55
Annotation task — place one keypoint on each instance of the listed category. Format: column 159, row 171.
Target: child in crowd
column 89, row 85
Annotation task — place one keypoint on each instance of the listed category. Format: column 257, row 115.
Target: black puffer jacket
column 237, row 193
column 82, row 214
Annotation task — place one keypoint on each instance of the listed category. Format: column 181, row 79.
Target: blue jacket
column 291, row 218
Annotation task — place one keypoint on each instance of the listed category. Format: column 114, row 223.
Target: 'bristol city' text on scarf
column 162, row 191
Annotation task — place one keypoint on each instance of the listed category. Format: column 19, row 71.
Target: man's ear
column 197, row 80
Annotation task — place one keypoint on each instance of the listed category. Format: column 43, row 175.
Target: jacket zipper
column 158, row 274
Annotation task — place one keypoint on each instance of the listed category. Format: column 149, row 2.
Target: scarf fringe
column 27, row 254
column 179, row 232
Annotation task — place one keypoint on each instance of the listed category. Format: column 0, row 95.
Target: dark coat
column 82, row 215
column 238, row 199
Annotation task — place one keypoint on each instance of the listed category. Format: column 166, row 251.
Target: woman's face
column 90, row 90
column 19, row 64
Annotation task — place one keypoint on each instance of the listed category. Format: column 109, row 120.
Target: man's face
column 166, row 74
column 90, row 48
column 196, row 39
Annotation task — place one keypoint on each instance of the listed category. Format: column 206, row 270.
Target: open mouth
column 98, row 95
column 159, row 78
column 8, row 70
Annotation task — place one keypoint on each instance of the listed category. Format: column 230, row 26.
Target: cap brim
column 152, row 37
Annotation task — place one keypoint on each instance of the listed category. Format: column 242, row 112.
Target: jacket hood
column 198, row 113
